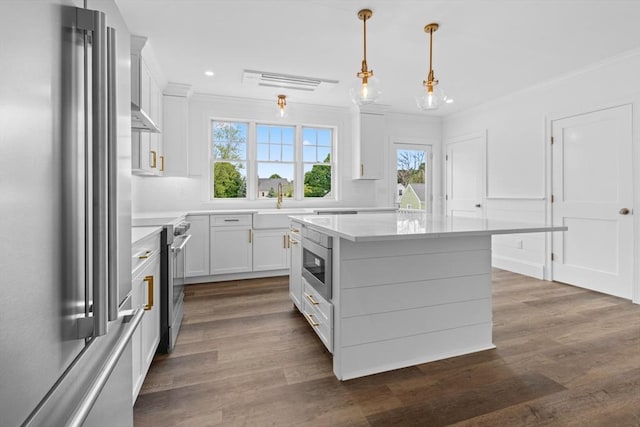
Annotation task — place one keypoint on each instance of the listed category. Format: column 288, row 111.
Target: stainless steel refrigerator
column 65, row 170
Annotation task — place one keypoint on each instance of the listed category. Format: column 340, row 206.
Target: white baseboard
column 518, row 266
column 236, row 276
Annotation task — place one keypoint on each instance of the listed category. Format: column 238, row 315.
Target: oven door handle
column 179, row 248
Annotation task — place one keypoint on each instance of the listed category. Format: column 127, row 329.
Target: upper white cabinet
column 175, row 133
column 197, row 251
column 368, row 143
column 147, row 157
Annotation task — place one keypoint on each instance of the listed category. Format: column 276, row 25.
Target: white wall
column 162, row 194
column 517, row 144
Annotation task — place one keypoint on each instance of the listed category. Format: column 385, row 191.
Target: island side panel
column 399, row 303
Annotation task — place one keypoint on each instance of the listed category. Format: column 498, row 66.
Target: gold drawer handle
column 311, row 300
column 161, row 163
column 295, row 230
column 292, row 242
column 154, row 158
column 149, row 280
column 146, row 255
column 311, row 321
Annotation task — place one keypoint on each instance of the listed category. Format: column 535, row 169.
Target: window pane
column 272, row 174
column 229, row 140
column 262, row 134
column 263, row 152
column 287, row 153
column 308, row 136
column 275, row 152
column 324, row 154
column 288, row 135
column 229, row 180
column 317, row 181
column 309, row 154
column 411, row 190
column 324, row 137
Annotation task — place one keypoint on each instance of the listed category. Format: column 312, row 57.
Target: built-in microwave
column 316, row 261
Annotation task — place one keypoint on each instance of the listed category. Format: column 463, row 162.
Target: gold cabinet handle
column 292, row 242
column 146, row 255
column 361, row 169
column 154, row 159
column 295, row 230
column 311, row 321
column 311, row 300
column 250, row 236
column 149, row 280
column 284, row 242
column 161, row 163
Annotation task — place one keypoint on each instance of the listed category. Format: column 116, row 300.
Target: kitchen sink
column 277, row 218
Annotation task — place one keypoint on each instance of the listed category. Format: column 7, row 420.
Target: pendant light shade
column 366, row 90
column 282, row 107
column 431, row 97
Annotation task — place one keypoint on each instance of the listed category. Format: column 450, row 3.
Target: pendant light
column 366, row 90
column 282, row 104
column 431, row 97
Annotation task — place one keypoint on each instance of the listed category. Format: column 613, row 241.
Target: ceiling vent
column 286, row 81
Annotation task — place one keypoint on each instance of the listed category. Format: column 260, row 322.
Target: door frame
column 635, row 166
column 482, row 135
column 431, row 146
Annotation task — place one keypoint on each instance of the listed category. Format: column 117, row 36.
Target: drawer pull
column 311, row 300
column 149, row 280
column 311, row 321
column 154, row 159
column 146, row 255
column 232, row 220
column 295, row 230
column 292, row 242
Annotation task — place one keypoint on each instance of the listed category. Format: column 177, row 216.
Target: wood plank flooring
column 565, row 356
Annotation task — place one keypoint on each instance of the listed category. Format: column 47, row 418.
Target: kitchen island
column 406, row 288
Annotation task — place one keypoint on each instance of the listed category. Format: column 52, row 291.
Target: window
column 413, row 176
column 275, row 160
column 296, row 159
column 229, row 159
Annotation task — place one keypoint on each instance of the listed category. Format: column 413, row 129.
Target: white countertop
column 139, row 233
column 399, row 226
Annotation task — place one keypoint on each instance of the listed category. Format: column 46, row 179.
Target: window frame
column 252, row 161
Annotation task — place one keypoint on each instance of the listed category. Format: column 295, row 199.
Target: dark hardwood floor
column 565, row 356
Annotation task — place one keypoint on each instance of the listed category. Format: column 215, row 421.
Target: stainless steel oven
column 317, row 261
column 174, row 241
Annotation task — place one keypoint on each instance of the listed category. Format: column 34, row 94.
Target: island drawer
column 319, row 314
column 231, row 220
column 144, row 250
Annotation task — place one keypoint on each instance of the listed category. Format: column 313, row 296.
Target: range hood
column 140, row 121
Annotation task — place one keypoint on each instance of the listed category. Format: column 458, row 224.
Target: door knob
column 624, row 211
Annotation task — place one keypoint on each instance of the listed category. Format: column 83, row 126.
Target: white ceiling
column 484, row 49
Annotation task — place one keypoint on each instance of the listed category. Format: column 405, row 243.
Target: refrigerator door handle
column 112, row 165
column 97, row 234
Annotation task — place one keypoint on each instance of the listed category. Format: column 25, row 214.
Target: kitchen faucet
column 279, row 205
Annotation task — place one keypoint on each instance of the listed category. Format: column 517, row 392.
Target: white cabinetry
column 295, row 265
column 368, row 145
column 270, row 249
column 175, row 134
column 231, row 244
column 197, row 251
column 145, row 292
column 319, row 314
column 146, row 152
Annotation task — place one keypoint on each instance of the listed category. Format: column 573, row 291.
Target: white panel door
column 270, row 250
column 465, row 176
column 593, row 195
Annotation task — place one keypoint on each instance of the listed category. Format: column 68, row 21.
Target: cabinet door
column 151, row 320
column 175, row 135
column 369, row 146
column 231, row 249
column 270, row 250
column 197, row 251
column 295, row 272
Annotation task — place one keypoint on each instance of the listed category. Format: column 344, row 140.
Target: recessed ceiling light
column 209, row 73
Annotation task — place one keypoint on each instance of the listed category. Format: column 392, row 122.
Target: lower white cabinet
column 270, row 249
column 197, row 251
column 319, row 314
column 231, row 249
column 295, row 266
column 145, row 292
